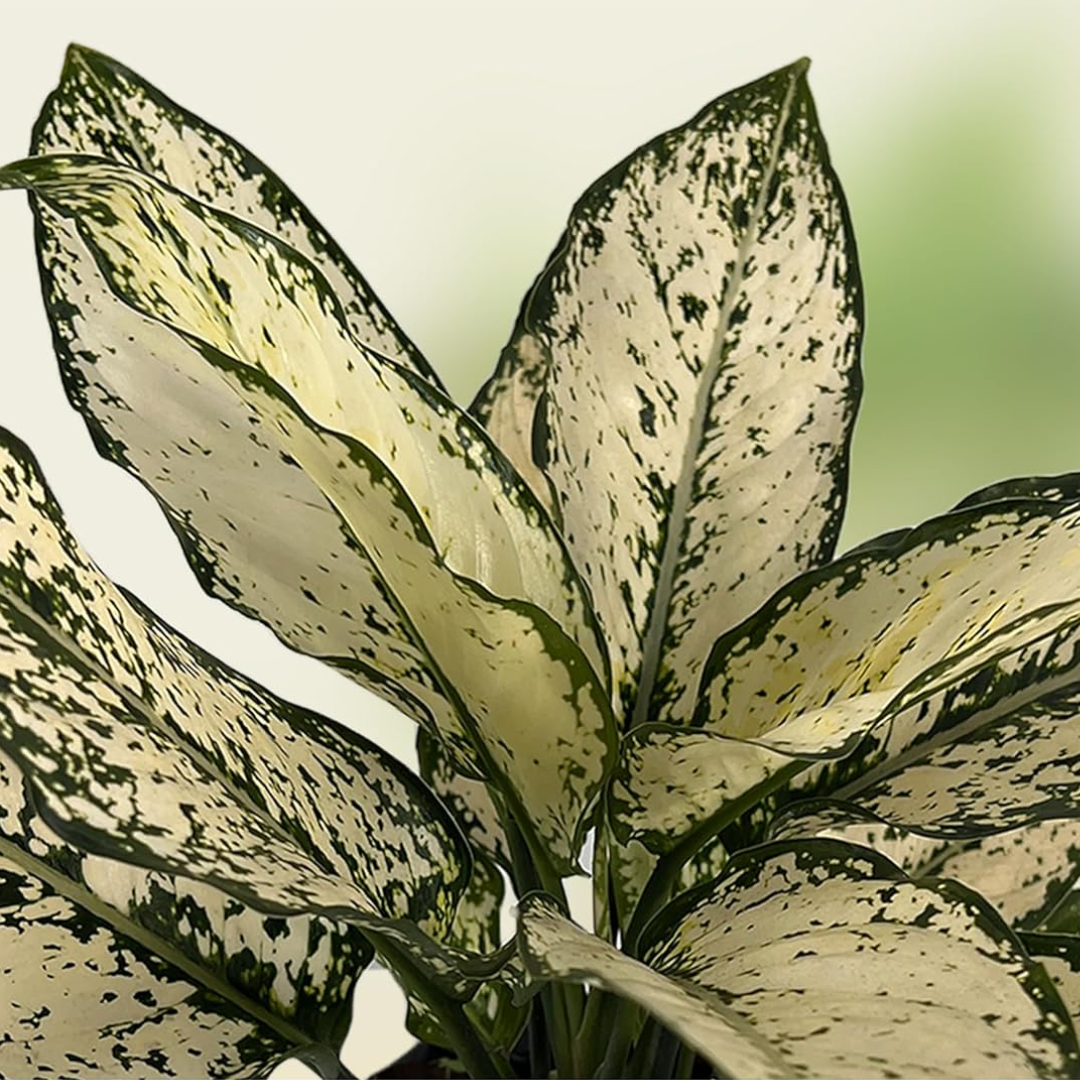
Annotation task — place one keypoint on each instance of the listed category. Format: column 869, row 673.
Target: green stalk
column 563, row 1003
column 666, row 1055
column 615, row 1060
column 478, row 1060
column 684, row 1063
column 641, row 1060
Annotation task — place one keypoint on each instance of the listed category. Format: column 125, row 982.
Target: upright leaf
column 695, row 338
column 136, row 747
column 451, row 542
column 469, row 801
column 101, row 107
column 354, row 808
column 508, row 402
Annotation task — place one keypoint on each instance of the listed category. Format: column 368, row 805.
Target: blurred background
column 443, row 144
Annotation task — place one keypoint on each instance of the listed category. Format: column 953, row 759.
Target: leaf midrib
column 659, row 612
column 165, row 950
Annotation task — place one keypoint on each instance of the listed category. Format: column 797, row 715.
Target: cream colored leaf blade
column 289, row 765
column 102, row 107
column 84, row 999
column 1025, row 873
column 136, row 747
column 300, row 969
column 218, row 280
column 468, row 800
column 875, row 622
column 807, row 942
column 488, row 525
column 693, row 341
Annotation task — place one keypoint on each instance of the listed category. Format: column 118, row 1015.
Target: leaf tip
column 15, row 175
column 83, row 58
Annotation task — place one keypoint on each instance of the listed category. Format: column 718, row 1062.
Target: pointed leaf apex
column 16, row 174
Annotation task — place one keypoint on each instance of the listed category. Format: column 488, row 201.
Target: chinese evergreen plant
column 832, row 799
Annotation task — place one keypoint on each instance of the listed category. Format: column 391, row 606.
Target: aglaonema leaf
column 930, row 644
column 103, row 108
column 124, row 967
column 1026, row 873
column 822, row 958
column 432, row 527
column 683, row 377
column 95, row 997
column 135, row 747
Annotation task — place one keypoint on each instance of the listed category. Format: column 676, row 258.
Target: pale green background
column 443, row 144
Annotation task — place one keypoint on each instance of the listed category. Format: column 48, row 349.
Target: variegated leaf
column 850, row 968
column 672, row 784
column 924, row 641
column 671, row 781
column 450, row 540
column 299, row 970
column 695, row 336
column 1060, row 955
column 137, row 747
column 469, row 801
column 507, row 405
column 1025, row 873
column 988, row 754
column 555, row 948
column 356, row 811
column 620, row 873
column 852, row 636
column 86, row 993
column 102, row 108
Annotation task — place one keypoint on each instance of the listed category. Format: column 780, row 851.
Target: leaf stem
column 641, row 1060
column 478, row 1060
column 614, row 1063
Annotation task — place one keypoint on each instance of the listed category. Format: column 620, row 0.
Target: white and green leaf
column 468, row 800
column 692, row 346
column 1060, row 955
column 1026, row 873
column 477, row 929
column 888, row 618
column 437, row 527
column 76, row 644
column 297, row 969
column 553, row 947
column 136, row 747
column 507, row 406
column 805, row 942
column 103, row 108
column 928, row 645
column 86, row 993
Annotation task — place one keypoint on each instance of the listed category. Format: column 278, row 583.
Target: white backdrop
column 442, row 144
